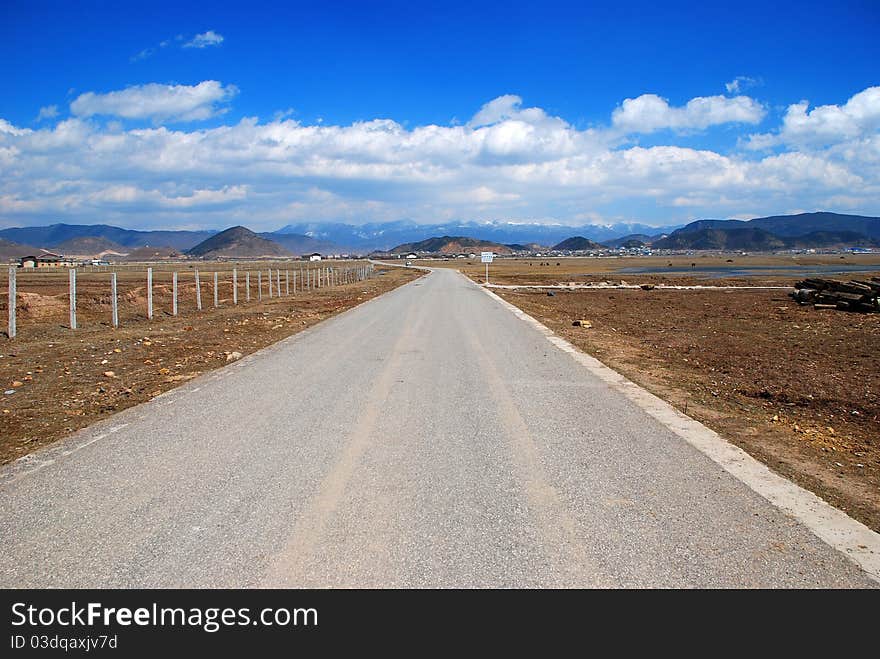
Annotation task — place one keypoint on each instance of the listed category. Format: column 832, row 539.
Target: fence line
column 114, row 301
column 10, row 332
column 72, row 286
column 150, row 293
column 310, row 279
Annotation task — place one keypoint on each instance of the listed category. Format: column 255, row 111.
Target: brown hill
column 148, row 253
column 13, row 251
column 577, row 244
column 88, row 246
column 237, row 242
column 451, row 245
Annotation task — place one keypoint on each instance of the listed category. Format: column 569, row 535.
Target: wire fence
column 113, row 296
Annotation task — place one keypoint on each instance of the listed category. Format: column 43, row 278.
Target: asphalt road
column 426, row 438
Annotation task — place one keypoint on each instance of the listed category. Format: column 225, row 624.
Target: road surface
column 426, row 438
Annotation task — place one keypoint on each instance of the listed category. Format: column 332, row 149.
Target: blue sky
column 366, row 112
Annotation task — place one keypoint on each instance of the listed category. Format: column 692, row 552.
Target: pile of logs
column 855, row 295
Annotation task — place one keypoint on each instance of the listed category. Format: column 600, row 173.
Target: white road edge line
column 831, row 525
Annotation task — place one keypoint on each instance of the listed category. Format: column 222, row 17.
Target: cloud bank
column 649, row 113
column 158, row 102
column 507, row 162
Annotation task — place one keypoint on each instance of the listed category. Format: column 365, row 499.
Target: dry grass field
column 64, row 379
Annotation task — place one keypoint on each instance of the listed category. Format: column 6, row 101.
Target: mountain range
column 805, row 230
column 383, row 236
column 94, row 238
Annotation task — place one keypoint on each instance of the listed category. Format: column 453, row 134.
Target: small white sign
column 486, row 257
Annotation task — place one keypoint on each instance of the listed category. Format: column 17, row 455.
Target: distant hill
column 300, row 244
column 57, row 234
column 577, row 244
column 807, row 230
column 237, row 242
column 632, row 243
column 634, row 240
column 88, row 246
column 149, row 253
column 806, row 223
column 451, row 245
column 528, row 247
column 720, row 239
column 10, row 250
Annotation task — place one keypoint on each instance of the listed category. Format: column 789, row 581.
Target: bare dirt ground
column 64, row 380
column 797, row 388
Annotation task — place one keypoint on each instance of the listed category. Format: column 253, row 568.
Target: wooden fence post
column 270, row 282
column 259, row 285
column 216, row 292
column 150, row 293
column 247, row 286
column 173, row 293
column 114, row 303
column 287, row 282
column 72, row 275
column 198, row 292
column 278, row 282
column 234, row 286
column 12, row 301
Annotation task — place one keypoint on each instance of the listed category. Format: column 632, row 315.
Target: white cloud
column 649, row 113
column 144, row 54
column 827, row 124
column 508, row 162
column 9, row 129
column 47, row 112
column 158, row 102
column 205, row 39
column 741, row 83
column 209, row 38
